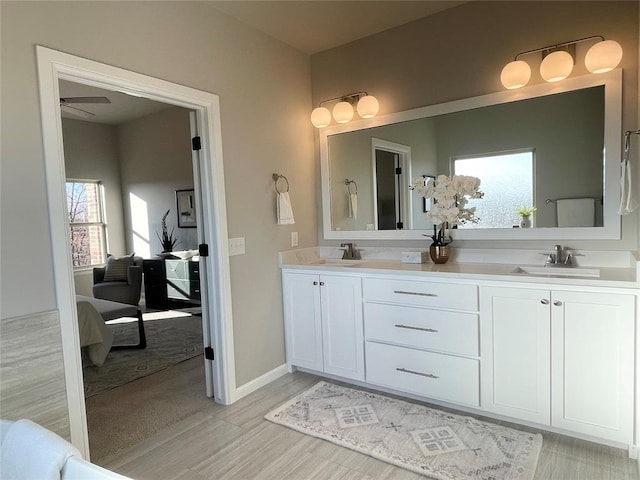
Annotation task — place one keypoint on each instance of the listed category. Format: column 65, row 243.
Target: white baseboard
column 261, row 381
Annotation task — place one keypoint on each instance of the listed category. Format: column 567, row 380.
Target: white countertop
column 327, row 258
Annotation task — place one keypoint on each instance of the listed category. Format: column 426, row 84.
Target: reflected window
column 507, row 180
column 87, row 222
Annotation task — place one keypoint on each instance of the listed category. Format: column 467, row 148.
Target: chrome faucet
column 350, row 252
column 558, row 258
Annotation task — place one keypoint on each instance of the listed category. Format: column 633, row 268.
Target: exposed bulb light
column 515, row 74
column 556, row 66
column 320, row 117
column 603, row 56
column 343, row 112
column 368, row 106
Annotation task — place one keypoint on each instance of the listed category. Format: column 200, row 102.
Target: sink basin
column 559, row 271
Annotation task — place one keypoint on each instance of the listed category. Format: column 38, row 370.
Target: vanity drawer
column 452, row 332
column 424, row 294
column 428, row 374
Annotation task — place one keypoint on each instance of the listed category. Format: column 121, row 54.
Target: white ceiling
column 123, row 108
column 309, row 26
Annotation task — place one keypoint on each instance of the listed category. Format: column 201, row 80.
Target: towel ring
column 348, row 183
column 276, row 177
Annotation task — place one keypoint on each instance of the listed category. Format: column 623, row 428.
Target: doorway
column 391, row 169
column 209, row 186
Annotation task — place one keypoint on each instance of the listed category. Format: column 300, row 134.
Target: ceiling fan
column 65, row 105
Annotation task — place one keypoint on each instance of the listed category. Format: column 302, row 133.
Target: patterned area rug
column 169, row 341
column 437, row 444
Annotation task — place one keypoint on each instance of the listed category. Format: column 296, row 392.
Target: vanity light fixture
column 366, row 105
column 558, row 61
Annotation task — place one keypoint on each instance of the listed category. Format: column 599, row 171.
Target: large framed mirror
column 555, row 146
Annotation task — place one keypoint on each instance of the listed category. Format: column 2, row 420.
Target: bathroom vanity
column 552, row 351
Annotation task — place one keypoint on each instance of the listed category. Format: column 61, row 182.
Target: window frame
column 101, row 223
column 502, row 153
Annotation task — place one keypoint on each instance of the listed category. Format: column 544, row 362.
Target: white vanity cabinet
column 323, row 323
column 560, row 358
column 422, row 338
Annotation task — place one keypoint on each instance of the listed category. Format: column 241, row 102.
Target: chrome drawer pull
column 416, row 328
column 428, row 375
column 402, row 292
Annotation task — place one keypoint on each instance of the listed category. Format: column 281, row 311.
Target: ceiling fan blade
column 85, row 100
column 78, row 112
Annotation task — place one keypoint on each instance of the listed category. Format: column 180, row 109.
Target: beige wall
column 91, row 153
column 264, row 89
column 155, row 161
column 459, row 53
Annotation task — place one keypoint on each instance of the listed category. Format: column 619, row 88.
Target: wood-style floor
column 235, row 442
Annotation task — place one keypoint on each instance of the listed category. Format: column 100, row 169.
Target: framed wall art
column 186, row 207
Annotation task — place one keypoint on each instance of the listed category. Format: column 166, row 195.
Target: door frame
column 402, row 198
column 53, row 66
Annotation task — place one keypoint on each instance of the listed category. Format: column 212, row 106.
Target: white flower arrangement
column 450, row 197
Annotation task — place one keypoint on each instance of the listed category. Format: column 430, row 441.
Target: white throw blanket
column 94, row 334
column 284, row 210
column 31, row 452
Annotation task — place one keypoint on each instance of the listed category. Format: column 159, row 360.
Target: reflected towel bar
column 348, row 183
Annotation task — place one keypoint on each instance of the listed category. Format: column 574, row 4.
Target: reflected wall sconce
column 558, row 61
column 366, row 105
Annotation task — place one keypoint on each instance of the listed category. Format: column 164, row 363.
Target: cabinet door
column 593, row 364
column 515, row 352
column 342, row 326
column 303, row 327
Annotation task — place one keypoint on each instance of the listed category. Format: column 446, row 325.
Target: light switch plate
column 294, row 239
column 236, row 246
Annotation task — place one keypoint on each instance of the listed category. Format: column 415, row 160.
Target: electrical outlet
column 294, row 239
column 236, row 246
column 370, row 226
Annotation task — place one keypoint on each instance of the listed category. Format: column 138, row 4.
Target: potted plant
column 450, row 197
column 526, row 212
column 167, row 240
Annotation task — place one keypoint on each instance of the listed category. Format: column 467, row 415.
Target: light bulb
column 320, row 117
column 342, row 112
column 515, row 74
column 368, row 106
column 556, row 66
column 603, row 56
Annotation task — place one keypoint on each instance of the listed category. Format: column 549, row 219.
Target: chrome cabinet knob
column 557, row 303
column 315, row 283
column 544, row 301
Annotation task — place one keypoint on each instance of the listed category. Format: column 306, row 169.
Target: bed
column 96, row 338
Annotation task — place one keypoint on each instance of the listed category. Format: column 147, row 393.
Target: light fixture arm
column 350, row 98
column 559, row 45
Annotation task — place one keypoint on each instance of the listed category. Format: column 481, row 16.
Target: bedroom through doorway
column 134, row 240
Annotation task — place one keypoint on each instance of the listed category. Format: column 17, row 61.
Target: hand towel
column 576, row 212
column 628, row 200
column 30, row 452
column 353, row 205
column 284, row 210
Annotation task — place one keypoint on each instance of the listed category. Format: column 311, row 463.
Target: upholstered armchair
column 120, row 280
